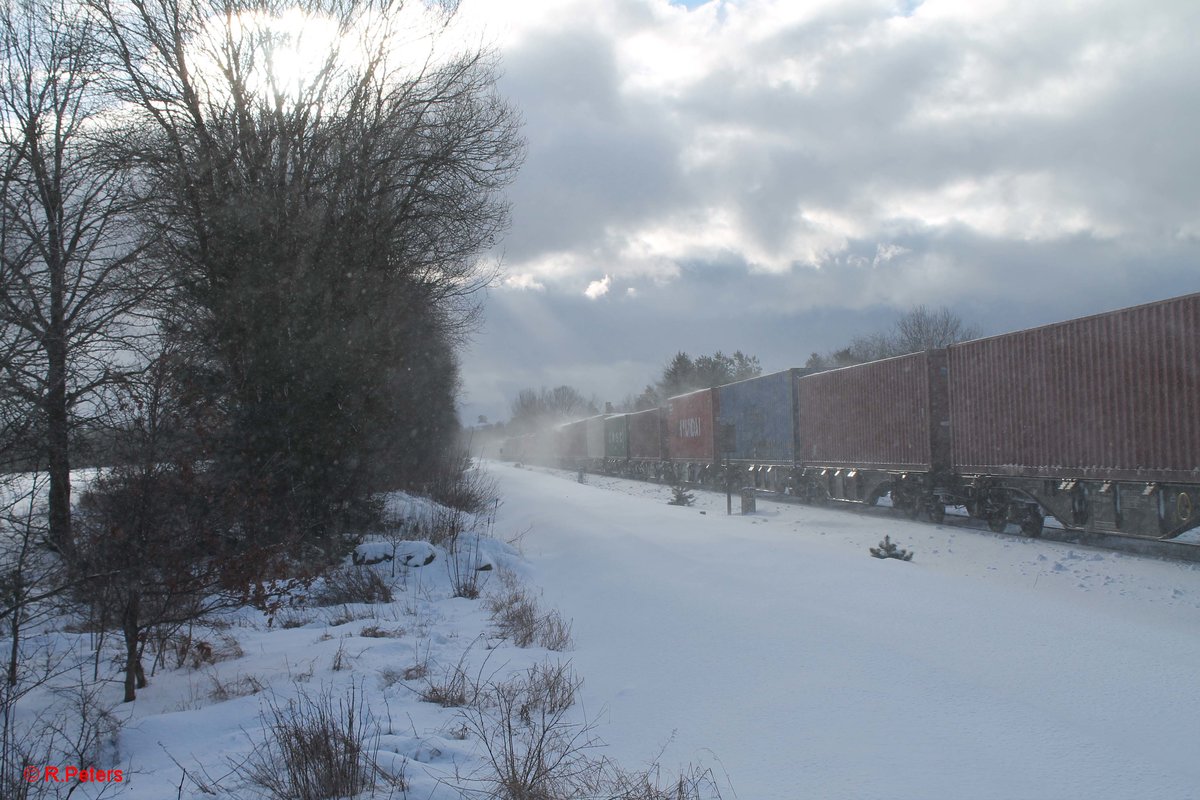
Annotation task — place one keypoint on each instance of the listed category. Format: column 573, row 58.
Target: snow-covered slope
column 773, row 646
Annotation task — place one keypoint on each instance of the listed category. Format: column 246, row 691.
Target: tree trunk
column 135, row 678
column 16, row 634
column 57, row 418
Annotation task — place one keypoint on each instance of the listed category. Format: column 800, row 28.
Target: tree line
column 920, row 328
column 247, row 280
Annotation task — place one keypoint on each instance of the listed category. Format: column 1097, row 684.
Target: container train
column 1094, row 422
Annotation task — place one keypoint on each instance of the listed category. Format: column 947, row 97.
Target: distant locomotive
column 1093, row 421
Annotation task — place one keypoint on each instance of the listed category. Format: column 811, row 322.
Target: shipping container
column 762, row 415
column 595, row 437
column 616, row 437
column 691, row 427
column 1114, row 396
column 646, row 435
column 884, row 415
column 572, row 442
column 540, row 447
column 545, row 447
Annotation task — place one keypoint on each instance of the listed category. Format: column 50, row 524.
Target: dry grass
column 518, row 618
column 240, row 686
column 352, row 584
column 316, row 748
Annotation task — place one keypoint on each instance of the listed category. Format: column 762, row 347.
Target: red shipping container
column 691, row 427
column 884, row 415
column 1113, row 396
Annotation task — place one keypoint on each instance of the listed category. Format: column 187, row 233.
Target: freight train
column 1094, row 422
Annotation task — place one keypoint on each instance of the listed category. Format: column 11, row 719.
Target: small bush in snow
column 240, row 686
column 518, row 618
column 196, row 652
column 534, row 749
column 463, row 483
column 454, row 688
column 889, row 549
column 289, row 618
column 694, row 783
column 554, row 633
column 356, row 584
column 465, row 562
column 680, row 496
column 378, row 632
column 514, row 611
column 315, row 748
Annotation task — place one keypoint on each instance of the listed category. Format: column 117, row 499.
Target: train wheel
column 1031, row 524
column 907, row 504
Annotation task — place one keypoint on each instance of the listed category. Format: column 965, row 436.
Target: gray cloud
column 779, row 176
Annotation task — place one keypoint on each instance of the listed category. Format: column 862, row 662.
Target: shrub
column 680, row 496
column 378, row 632
column 241, row 686
column 454, row 689
column 315, row 748
column 554, row 633
column 534, row 750
column 694, row 783
column 518, row 618
column 889, row 549
column 462, row 484
column 356, row 584
column 514, row 611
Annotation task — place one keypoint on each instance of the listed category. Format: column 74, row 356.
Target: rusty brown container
column 691, row 427
column 1114, row 396
column 883, row 415
column 645, row 435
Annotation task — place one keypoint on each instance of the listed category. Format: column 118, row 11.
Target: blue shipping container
column 762, row 412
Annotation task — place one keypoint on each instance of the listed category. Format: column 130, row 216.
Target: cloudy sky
column 777, row 176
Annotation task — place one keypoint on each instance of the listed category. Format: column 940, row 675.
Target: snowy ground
column 770, row 647
column 989, row 667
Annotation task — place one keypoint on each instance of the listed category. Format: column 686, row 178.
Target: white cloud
column 597, row 289
column 523, row 281
column 849, row 153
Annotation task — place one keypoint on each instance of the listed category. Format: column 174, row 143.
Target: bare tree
column 68, row 284
column 162, row 527
column 533, row 409
column 921, row 328
column 925, row 328
column 324, row 226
